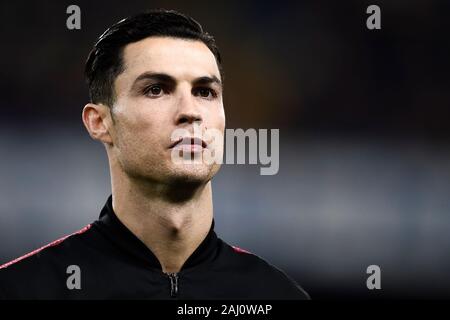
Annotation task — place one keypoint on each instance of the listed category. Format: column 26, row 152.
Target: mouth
column 189, row 142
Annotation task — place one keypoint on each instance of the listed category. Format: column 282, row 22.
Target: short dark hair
column 105, row 61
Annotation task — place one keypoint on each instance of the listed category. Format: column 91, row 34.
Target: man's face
column 167, row 84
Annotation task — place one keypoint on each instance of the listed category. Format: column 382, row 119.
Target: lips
column 189, row 141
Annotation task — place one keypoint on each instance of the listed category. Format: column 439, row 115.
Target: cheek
column 216, row 116
column 140, row 147
column 220, row 120
column 137, row 133
column 139, row 116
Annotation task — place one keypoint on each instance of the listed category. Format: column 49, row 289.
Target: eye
column 205, row 92
column 154, row 91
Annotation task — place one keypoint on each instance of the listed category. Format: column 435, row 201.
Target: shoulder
column 262, row 274
column 41, row 268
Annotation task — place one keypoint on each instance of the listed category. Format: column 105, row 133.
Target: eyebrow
column 165, row 78
column 207, row 80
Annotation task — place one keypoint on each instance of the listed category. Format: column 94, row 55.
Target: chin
column 198, row 173
column 193, row 174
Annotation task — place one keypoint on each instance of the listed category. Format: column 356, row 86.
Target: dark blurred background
column 364, row 132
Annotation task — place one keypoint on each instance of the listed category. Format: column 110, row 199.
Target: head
column 149, row 75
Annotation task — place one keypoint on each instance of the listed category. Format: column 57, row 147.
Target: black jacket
column 112, row 263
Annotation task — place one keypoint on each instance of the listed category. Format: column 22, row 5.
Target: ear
column 97, row 120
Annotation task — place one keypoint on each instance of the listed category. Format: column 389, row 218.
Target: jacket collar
column 116, row 232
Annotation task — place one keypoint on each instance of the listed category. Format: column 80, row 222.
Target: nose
column 188, row 110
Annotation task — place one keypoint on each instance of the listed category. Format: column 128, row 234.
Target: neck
column 170, row 221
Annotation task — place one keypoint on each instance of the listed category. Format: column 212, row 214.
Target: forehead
column 180, row 58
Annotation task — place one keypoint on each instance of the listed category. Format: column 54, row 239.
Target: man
column 149, row 76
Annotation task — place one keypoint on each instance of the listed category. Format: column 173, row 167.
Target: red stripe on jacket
column 51, row 244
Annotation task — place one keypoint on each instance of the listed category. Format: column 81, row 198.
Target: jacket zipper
column 173, row 284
